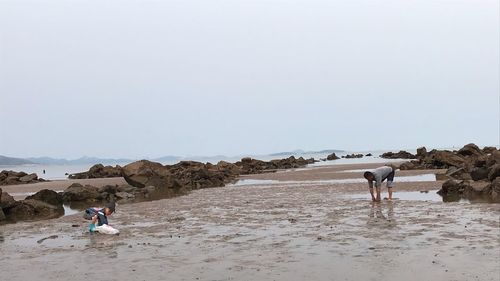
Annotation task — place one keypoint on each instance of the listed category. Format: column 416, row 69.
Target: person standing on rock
column 378, row 176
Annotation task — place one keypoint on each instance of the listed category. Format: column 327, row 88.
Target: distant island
column 4, row 160
column 10, row 161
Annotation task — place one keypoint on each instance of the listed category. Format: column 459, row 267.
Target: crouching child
column 99, row 219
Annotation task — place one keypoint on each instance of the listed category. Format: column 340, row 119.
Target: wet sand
column 299, row 231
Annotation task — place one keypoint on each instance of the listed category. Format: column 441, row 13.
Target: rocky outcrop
column 44, row 204
column 471, row 172
column 398, row 155
column 350, row 156
column 78, row 192
column 48, row 196
column 33, row 210
column 98, row 171
column 332, row 157
column 12, row 177
column 253, row 166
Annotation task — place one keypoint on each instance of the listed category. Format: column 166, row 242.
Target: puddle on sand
column 417, row 178
column 430, row 195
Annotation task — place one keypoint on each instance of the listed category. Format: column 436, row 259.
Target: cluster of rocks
column 471, row 172
column 398, row 155
column 45, row 204
column 253, row 166
column 98, row 171
column 350, row 156
column 11, row 178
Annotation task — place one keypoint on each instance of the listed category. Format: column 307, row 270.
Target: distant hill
column 287, row 153
column 4, row 160
column 81, row 160
column 300, row 151
column 168, row 158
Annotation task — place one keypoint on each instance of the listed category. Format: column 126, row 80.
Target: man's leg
column 378, row 193
column 390, row 183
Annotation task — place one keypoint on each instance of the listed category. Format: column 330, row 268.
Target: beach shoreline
column 302, row 231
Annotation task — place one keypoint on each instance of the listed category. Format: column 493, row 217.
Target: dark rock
column 369, row 154
column 495, row 190
column 451, row 187
column 78, row 192
column 28, row 178
column 99, row 171
column 33, row 210
column 494, row 172
column 445, row 159
column 332, row 157
column 489, row 149
column 48, row 196
column 399, row 155
column 351, row 156
column 6, row 201
column 458, row 173
column 421, row 152
column 493, row 158
column 479, row 173
column 470, row 149
column 143, row 173
column 408, row 165
column 12, row 177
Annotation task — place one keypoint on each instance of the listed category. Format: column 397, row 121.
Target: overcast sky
column 195, row 77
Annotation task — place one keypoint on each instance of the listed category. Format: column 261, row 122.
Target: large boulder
column 33, row 210
column 6, row 201
column 99, row 171
column 495, row 190
column 445, row 159
column 399, row 155
column 48, row 196
column 28, row 178
column 493, row 158
column 12, row 178
column 452, row 187
column 494, row 172
column 489, row 149
column 78, row 192
column 147, row 173
column 479, row 173
column 229, row 169
column 458, row 173
column 470, row 150
column 421, row 152
column 332, row 156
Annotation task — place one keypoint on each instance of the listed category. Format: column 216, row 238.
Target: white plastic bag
column 106, row 229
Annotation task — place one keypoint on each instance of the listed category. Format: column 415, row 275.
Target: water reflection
column 381, row 212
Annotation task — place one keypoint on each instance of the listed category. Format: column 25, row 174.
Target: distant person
column 99, row 218
column 378, row 176
column 44, row 172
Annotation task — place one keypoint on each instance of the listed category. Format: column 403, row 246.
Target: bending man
column 379, row 175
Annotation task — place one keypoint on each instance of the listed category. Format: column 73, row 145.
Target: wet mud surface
column 303, row 231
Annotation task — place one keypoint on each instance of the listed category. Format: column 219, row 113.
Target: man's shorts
column 390, row 179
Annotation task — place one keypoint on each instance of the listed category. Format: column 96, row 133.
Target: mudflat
column 307, row 228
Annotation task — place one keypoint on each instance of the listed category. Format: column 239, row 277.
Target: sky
column 195, row 77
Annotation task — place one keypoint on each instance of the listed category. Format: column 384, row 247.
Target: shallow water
column 417, row 178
